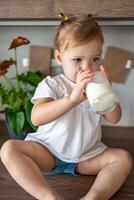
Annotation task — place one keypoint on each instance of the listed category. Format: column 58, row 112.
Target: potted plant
column 15, row 93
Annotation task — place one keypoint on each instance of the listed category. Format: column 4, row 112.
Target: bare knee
column 124, row 158
column 7, row 151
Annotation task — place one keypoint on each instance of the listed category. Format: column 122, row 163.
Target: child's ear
column 57, row 55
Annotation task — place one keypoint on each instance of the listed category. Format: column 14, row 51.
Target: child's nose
column 87, row 67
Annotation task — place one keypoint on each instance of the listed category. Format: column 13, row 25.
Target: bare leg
column 112, row 167
column 25, row 162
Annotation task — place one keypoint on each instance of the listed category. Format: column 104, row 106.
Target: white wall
column 123, row 37
column 119, row 36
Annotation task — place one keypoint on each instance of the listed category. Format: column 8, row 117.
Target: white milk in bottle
column 99, row 92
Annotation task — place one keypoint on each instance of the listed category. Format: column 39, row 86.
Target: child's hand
column 105, row 73
column 83, row 77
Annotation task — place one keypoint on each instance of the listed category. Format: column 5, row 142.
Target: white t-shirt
column 73, row 137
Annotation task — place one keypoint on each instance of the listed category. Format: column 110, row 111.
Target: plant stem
column 16, row 68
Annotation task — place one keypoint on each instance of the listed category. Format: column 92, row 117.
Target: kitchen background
column 117, row 35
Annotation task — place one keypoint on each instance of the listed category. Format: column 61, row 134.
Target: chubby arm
column 47, row 110
column 115, row 115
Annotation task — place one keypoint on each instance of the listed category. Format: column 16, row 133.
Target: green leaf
column 3, row 94
column 28, row 109
column 16, row 121
column 10, row 98
column 11, row 121
column 31, row 78
column 34, row 78
column 20, row 119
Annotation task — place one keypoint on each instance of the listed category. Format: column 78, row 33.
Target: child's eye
column 96, row 59
column 77, row 60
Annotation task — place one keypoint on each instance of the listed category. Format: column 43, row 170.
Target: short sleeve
column 46, row 88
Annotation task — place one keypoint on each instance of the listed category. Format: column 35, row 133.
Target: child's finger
column 105, row 72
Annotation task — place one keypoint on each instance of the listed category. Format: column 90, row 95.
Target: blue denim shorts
column 63, row 168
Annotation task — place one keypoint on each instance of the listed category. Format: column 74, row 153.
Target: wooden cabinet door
column 27, row 9
column 49, row 9
column 99, row 8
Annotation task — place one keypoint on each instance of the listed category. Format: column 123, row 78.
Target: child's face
column 83, row 57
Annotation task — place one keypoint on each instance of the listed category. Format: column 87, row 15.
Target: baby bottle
column 99, row 92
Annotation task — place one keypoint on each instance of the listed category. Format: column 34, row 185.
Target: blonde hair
column 75, row 30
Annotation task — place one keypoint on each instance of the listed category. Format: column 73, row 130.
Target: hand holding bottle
column 99, row 92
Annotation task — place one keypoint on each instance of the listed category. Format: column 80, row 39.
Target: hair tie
column 63, row 17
